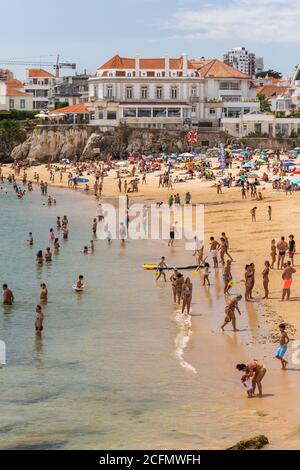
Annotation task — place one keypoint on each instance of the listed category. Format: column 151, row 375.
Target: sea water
column 117, row 367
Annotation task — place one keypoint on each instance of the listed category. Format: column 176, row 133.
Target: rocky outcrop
column 53, row 143
column 254, row 443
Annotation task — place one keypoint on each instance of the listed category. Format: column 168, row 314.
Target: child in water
column 206, row 274
column 79, row 284
column 247, row 383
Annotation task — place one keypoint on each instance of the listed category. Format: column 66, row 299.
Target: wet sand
column 208, row 349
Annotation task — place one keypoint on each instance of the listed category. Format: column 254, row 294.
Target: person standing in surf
column 160, row 269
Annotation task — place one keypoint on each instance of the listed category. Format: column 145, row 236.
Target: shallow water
column 116, row 366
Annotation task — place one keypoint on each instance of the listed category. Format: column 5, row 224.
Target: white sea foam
column 182, row 339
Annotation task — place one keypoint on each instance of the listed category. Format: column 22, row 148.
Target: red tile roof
column 13, row 88
column 214, row 68
column 39, row 73
column 271, row 91
column 118, row 62
column 80, row 108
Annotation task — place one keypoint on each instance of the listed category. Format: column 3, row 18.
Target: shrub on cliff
column 11, row 134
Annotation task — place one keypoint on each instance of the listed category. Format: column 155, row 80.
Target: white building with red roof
column 38, row 83
column 14, row 97
column 167, row 92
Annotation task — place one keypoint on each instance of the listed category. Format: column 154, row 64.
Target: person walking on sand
column 8, row 296
column 292, row 248
column 256, row 371
column 223, row 235
column 283, row 342
column 39, row 319
column 172, row 235
column 230, row 312
column 273, row 253
column 287, row 277
column 270, row 212
column 187, row 292
column 253, row 214
column 214, row 246
column 282, row 248
column 206, row 274
column 227, row 277
column 265, row 276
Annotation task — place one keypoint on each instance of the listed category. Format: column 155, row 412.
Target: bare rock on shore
column 254, row 443
column 53, row 143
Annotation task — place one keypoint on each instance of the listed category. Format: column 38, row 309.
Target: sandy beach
column 249, row 242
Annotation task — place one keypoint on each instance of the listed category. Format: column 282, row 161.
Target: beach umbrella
column 79, row 180
column 248, row 165
column 295, row 180
column 122, row 163
column 186, row 154
column 41, row 115
column 253, row 175
column 288, row 164
column 276, row 178
column 296, row 172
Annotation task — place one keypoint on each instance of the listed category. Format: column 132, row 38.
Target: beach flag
column 2, row 353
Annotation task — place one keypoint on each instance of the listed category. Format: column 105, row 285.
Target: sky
column 89, row 32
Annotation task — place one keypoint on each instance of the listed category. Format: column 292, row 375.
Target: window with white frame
column 212, row 111
column 22, row 104
column 174, row 74
column 158, row 74
column 159, row 92
column 129, row 92
column 194, row 91
column 109, row 91
column 11, row 103
column 174, row 92
column 193, row 109
column 128, row 74
column 110, row 74
column 144, row 92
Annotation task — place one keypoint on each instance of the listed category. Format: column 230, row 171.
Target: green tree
column 10, row 135
column 269, row 73
column 264, row 103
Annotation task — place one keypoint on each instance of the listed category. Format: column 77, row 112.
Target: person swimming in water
column 39, row 319
column 44, row 293
column 8, row 296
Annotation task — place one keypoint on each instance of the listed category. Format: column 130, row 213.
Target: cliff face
column 54, row 143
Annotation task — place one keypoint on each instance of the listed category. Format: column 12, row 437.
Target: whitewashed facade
column 167, row 93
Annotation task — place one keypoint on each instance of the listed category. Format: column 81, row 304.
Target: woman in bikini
column 230, row 312
column 273, row 253
column 265, row 275
column 256, row 371
column 187, row 291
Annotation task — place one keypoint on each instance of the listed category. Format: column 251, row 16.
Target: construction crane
column 57, row 66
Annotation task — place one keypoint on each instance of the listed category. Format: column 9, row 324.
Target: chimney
column 167, row 66
column 184, row 65
column 137, row 65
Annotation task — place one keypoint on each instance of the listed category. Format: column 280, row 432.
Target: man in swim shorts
column 287, row 277
column 282, row 247
column 283, row 341
column 214, row 246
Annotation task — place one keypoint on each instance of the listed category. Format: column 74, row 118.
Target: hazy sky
column 89, row 32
